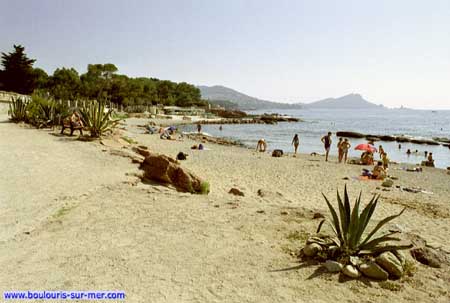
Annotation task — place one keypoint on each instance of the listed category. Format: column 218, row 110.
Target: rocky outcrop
column 164, row 169
column 429, row 256
column 350, row 134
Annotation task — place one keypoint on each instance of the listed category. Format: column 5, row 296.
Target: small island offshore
column 224, row 151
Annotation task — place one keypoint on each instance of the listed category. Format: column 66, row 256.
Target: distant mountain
column 351, row 101
column 243, row 101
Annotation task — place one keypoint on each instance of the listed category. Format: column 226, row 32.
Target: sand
column 73, row 218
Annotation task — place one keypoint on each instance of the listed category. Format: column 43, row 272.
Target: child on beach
column 378, row 171
column 340, row 154
column 296, row 143
column 326, row 140
column 345, row 146
column 385, row 161
column 381, row 151
column 261, row 146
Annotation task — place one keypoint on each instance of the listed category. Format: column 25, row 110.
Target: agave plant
column 349, row 227
column 98, row 118
column 18, row 109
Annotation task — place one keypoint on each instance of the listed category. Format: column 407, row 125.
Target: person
column 261, row 146
column 408, row 152
column 326, row 140
column 220, row 127
column 367, row 158
column 385, row 161
column 340, row 154
column 199, row 127
column 75, row 119
column 430, row 158
column 381, row 151
column 378, row 171
column 399, row 146
column 296, row 143
column 345, row 146
column 426, row 154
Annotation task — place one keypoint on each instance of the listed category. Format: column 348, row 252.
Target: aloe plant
column 349, row 227
column 98, row 118
column 18, row 109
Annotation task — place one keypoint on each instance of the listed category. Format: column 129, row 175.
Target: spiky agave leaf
column 335, row 220
column 380, row 225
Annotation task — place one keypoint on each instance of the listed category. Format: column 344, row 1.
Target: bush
column 18, row 110
column 46, row 112
column 98, row 118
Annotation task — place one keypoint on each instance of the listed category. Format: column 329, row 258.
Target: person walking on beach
column 345, row 146
column 340, row 154
column 326, row 140
column 296, row 143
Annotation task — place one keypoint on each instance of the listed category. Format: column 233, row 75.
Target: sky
column 393, row 52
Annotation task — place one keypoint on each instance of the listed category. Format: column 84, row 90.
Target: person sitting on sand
column 296, row 143
column 385, row 161
column 381, row 151
column 367, row 158
column 340, row 154
column 261, row 146
column 326, row 140
column 378, row 171
column 345, row 146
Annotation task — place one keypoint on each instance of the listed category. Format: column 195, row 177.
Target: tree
column 18, row 75
column 65, row 84
column 97, row 81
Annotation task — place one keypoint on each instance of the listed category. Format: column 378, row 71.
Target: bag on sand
column 181, row 156
column 277, row 153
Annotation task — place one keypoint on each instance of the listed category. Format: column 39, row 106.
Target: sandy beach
column 75, row 217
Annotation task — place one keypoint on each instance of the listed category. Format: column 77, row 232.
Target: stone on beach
column 312, row 249
column 374, row 271
column 351, row 271
column 236, row 192
column 389, row 262
column 162, row 168
column 333, row 266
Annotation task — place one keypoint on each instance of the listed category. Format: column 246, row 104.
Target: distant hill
column 353, row 101
column 243, row 101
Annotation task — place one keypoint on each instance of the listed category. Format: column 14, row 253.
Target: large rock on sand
column 162, row 168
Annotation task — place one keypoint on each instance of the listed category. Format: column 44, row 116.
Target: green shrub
column 204, row 188
column 350, row 225
column 98, row 118
column 18, row 110
column 46, row 112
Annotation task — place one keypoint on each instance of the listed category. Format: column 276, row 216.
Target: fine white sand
column 72, row 219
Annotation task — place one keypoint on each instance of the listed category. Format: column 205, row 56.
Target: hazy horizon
column 392, row 53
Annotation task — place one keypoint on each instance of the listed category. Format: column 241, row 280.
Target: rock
column 162, row 168
column 389, row 262
column 277, row 153
column 333, row 266
column 429, row 256
column 141, row 151
column 424, row 141
column 351, row 271
column 387, row 138
column 374, row 271
column 400, row 256
column 236, row 192
column 312, row 249
column 318, row 216
column 127, row 154
column 350, row 134
column 355, row 261
column 387, row 183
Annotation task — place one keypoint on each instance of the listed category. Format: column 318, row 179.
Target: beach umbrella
column 366, row 147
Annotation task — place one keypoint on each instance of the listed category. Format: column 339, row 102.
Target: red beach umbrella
column 366, row 147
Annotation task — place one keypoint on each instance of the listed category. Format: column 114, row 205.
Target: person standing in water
column 199, row 127
column 326, row 140
column 296, row 143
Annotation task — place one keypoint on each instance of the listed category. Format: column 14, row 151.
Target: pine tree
column 17, row 75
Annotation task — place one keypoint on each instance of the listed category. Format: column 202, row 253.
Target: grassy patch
column 129, row 140
column 392, row 286
column 204, row 188
column 62, row 212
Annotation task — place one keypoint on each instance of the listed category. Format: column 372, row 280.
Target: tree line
column 100, row 81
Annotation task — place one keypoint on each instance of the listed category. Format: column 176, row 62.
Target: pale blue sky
column 392, row 52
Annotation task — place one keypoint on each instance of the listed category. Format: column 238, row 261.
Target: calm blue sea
column 415, row 123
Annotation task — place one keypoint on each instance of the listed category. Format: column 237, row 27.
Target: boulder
column 164, row 169
column 236, row 192
column 141, row 150
column 350, row 134
column 312, row 249
column 387, row 138
column 333, row 266
column 374, row 271
column 389, row 262
column 424, row 141
column 351, row 271
column 277, row 153
column 429, row 256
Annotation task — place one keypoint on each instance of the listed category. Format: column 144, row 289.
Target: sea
column 316, row 123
